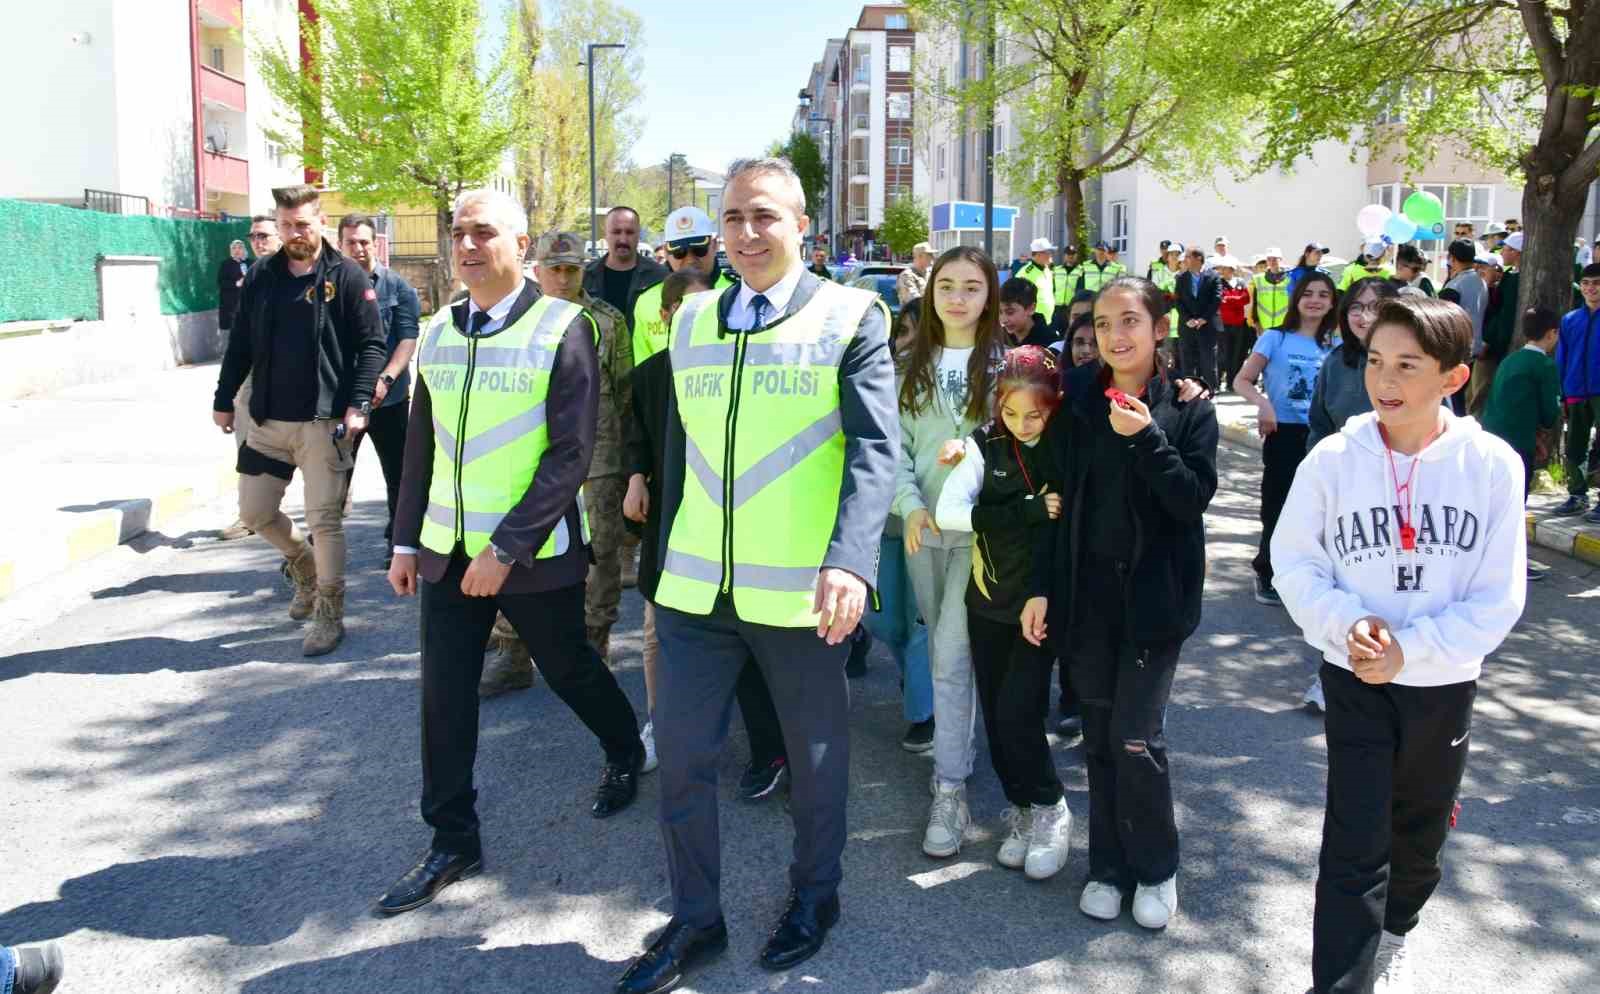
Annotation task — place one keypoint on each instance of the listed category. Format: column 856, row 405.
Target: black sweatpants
column 1013, row 678
column 454, row 629
column 1395, row 759
column 387, row 426
column 1124, row 689
column 1281, row 454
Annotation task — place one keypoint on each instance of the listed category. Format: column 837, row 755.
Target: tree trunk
column 1077, row 229
column 439, row 281
column 1549, row 225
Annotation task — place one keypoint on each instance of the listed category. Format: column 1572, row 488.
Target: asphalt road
column 195, row 807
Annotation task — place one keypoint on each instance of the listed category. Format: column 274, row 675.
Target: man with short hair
column 391, row 395
column 1499, row 320
column 264, row 243
column 1578, row 361
column 502, row 433
column 1098, row 271
column 1409, row 266
column 621, row 273
column 781, row 445
column 912, row 282
column 1199, row 293
column 1269, row 295
column 1466, row 289
column 310, row 338
column 1037, row 271
column 819, row 264
column 691, row 244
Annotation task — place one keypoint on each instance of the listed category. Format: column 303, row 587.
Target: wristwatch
column 501, row 556
column 388, row 380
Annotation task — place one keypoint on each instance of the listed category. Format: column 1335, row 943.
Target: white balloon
column 1372, row 219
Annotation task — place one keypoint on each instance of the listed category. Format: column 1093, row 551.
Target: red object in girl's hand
column 1118, row 398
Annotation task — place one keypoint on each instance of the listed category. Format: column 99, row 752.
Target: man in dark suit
column 789, row 377
column 1199, row 318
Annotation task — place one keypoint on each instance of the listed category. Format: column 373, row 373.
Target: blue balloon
column 1399, row 228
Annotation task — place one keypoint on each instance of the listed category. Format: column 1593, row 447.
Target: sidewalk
column 1568, row 536
column 97, row 465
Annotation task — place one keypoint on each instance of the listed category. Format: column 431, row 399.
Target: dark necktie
column 759, row 306
column 478, row 320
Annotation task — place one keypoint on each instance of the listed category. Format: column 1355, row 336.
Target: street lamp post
column 593, row 180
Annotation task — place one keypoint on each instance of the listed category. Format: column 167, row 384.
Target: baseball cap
column 1513, row 241
column 1488, row 259
column 1316, row 247
column 1103, row 245
column 1223, row 239
column 1040, row 245
column 689, row 224
column 1272, row 252
column 1175, row 247
column 559, row 248
column 1374, row 248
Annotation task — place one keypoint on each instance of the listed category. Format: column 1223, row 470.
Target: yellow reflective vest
column 1043, row 284
column 764, row 456
column 489, row 430
column 649, row 333
column 1271, row 301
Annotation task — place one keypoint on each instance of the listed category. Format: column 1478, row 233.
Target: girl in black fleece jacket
column 1118, row 585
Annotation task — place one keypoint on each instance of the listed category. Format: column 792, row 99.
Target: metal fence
column 109, row 202
column 411, row 236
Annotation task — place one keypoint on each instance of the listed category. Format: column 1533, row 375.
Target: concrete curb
column 1568, row 536
column 109, row 527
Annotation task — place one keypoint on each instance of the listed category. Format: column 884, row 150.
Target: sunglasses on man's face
column 699, row 251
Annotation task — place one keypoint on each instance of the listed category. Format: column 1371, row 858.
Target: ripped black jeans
column 1123, row 690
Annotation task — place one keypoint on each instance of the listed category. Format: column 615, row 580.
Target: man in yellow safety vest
column 781, row 443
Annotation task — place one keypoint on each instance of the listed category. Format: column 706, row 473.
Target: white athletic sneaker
column 647, row 738
column 1052, row 835
column 1391, row 970
column 1313, row 696
column 948, row 820
column 1101, row 900
column 1014, row 850
column 1154, row 906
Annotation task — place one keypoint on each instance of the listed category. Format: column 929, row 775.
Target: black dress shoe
column 855, row 666
column 800, row 932
column 674, row 952
column 619, row 785
column 423, row 882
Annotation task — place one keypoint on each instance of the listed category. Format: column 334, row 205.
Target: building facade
column 150, row 108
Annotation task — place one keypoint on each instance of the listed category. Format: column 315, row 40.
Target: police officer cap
column 689, row 224
column 1488, row 259
column 559, row 248
column 1274, row 252
column 1103, row 246
column 1513, row 241
column 1040, row 245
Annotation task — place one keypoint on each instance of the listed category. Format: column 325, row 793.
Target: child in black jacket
column 1118, row 587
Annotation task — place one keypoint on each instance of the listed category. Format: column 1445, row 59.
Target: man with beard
column 309, row 336
column 619, row 275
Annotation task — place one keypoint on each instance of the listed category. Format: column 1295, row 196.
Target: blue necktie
column 758, row 307
column 476, row 323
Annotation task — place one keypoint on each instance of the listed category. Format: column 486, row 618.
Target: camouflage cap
column 559, row 248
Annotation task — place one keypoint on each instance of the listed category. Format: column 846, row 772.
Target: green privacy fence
column 48, row 256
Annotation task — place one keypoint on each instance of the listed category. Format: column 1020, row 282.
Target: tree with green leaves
column 1511, row 84
column 905, row 223
column 805, row 155
column 1099, row 87
column 395, row 105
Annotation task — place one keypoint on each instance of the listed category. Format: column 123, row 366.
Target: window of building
column 899, row 192
column 217, row 62
column 939, row 166
column 899, row 151
column 1464, row 203
column 999, row 138
column 899, row 58
column 899, row 106
column 861, row 65
column 1119, row 225
column 894, row 22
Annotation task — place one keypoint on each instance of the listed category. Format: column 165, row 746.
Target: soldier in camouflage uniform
column 559, row 269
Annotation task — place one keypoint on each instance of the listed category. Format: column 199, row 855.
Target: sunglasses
column 699, row 251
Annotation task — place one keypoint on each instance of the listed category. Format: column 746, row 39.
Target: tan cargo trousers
column 325, row 466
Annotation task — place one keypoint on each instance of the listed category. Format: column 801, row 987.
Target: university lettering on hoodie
column 1372, row 534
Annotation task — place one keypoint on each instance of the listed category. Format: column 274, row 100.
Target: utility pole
column 671, row 161
column 588, row 60
column 988, row 132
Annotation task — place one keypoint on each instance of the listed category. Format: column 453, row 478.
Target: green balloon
column 1424, row 209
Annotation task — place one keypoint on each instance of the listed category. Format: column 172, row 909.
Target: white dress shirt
column 742, row 317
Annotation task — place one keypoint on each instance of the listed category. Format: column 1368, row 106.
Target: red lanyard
column 1017, row 450
column 1405, row 496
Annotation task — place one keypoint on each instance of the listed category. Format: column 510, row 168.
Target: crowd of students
column 1054, row 476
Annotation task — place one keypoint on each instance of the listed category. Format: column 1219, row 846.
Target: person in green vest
column 1037, row 271
column 1098, row 271
column 1114, row 255
column 1269, row 295
column 782, row 443
column 1371, row 263
column 691, row 242
column 490, row 517
column 1164, row 274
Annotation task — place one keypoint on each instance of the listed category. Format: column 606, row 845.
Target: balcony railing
column 230, row 12
column 226, row 173
column 221, row 89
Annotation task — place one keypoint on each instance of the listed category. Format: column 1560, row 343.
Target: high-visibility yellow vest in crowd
column 1167, row 280
column 1357, row 271
column 1271, row 301
column 764, row 456
column 1095, row 276
column 649, row 333
column 1063, row 282
column 1043, row 284
column 489, row 430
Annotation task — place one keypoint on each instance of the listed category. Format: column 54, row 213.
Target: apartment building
column 151, row 108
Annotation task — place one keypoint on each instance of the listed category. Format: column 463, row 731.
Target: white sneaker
column 1101, row 900
column 1052, row 836
column 1391, row 970
column 1014, row 850
column 1313, row 696
column 948, row 821
column 1154, row 906
column 647, row 738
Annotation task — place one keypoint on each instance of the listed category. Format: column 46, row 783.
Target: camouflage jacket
column 616, row 363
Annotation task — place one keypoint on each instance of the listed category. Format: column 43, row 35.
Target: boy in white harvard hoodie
column 1401, row 553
